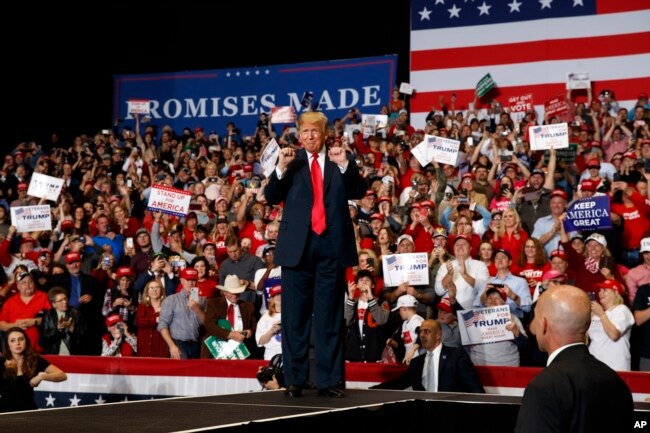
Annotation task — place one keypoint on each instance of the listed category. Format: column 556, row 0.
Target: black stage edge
column 371, row 411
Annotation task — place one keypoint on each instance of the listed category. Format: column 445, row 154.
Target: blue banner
column 213, row 98
column 588, row 214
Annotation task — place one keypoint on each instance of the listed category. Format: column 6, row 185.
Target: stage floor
column 223, row 411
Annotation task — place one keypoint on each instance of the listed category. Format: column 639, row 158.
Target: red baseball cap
column 612, row 285
column 588, row 185
column 559, row 253
column 275, row 290
column 445, row 305
column 112, row 319
column 190, row 274
column 559, row 193
column 72, row 257
column 124, row 271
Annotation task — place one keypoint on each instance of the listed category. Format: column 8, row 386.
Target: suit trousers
column 313, row 295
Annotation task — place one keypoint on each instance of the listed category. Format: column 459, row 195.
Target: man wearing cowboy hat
column 240, row 315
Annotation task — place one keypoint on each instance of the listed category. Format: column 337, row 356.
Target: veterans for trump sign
column 553, row 136
column 169, row 200
column 31, row 218
column 588, row 214
column 484, row 325
column 406, row 268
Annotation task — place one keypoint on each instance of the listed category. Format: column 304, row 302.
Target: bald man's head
column 430, row 334
column 562, row 316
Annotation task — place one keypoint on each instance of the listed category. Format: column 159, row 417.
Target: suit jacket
column 576, row 393
column 456, row 373
column 217, row 309
column 90, row 312
column 295, row 190
column 52, row 336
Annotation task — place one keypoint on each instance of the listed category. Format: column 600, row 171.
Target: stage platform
column 271, row 411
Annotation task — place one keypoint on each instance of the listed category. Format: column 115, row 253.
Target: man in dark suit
column 575, row 392
column 84, row 294
column 455, row 371
column 315, row 245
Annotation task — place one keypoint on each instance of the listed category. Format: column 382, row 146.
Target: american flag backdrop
column 527, row 46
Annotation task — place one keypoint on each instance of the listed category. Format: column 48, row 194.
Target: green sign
column 568, row 154
column 230, row 349
column 484, row 85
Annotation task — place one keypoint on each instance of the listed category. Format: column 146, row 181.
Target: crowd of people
column 114, row 278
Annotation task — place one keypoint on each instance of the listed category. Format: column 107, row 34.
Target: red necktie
column 318, row 209
column 231, row 316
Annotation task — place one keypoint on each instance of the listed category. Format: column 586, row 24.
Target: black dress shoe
column 293, row 391
column 331, row 392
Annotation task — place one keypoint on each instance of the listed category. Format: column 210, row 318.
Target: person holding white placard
column 503, row 353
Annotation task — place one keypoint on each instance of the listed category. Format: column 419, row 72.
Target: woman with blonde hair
column 150, row 341
column 510, row 235
column 268, row 332
column 611, row 324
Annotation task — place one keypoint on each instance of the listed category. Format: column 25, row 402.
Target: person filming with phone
column 118, row 341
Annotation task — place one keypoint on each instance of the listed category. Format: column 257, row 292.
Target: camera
column 274, row 369
column 403, row 145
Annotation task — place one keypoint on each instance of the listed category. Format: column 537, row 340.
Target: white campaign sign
column 443, row 150
column 169, row 200
column 283, row 115
column 545, row 137
column 137, row 106
column 31, row 218
column 406, row 88
column 578, row 80
column 406, row 268
column 46, row 186
column 270, row 157
column 420, row 153
column 484, row 325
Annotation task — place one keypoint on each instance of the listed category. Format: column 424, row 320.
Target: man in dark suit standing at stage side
column 440, row 369
column 315, row 245
column 575, row 392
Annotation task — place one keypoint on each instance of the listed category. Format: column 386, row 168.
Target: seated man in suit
column 442, row 369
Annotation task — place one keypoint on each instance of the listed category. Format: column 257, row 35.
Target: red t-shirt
column 15, row 309
column 249, row 231
column 636, row 220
